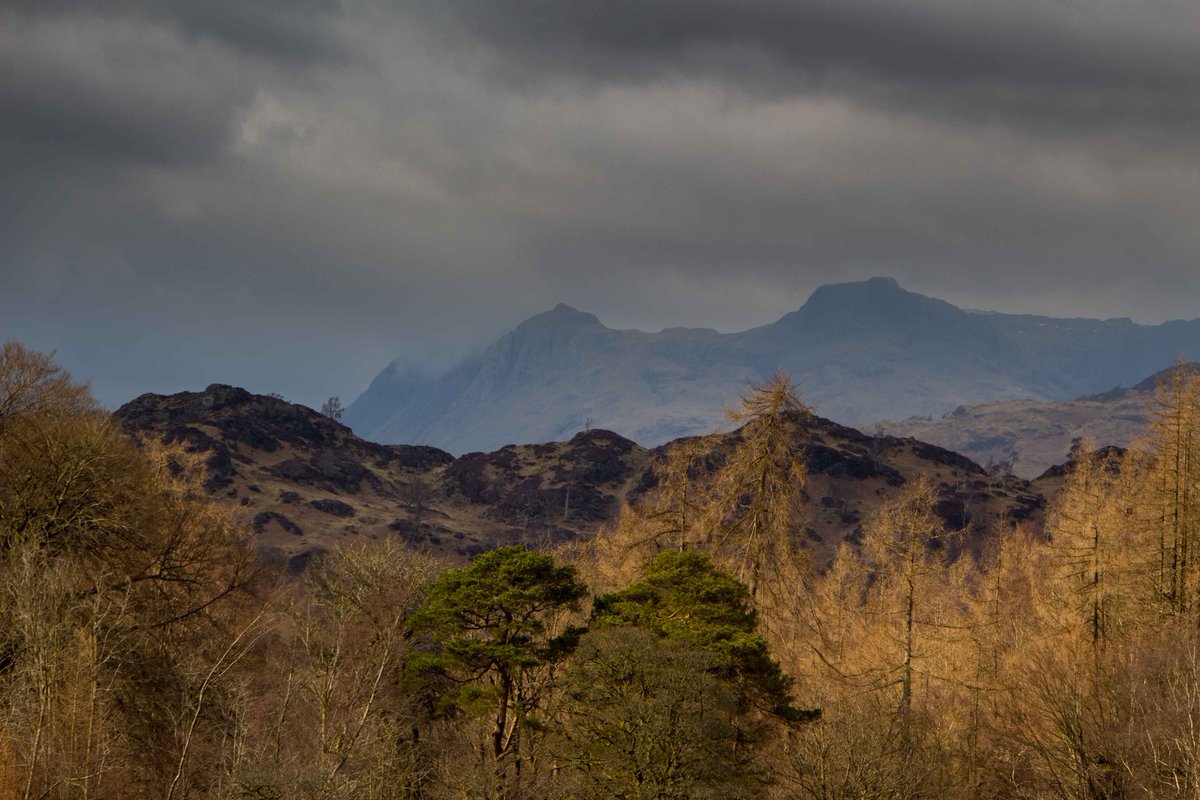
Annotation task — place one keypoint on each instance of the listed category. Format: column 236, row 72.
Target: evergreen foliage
column 684, row 599
column 493, row 624
column 645, row 717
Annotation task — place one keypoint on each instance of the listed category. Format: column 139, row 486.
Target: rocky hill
column 305, row 482
column 860, row 352
column 1040, row 434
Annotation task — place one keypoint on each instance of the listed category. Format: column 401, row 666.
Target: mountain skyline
column 860, row 352
column 224, row 367
column 286, row 195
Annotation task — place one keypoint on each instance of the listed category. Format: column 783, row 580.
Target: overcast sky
column 287, row 194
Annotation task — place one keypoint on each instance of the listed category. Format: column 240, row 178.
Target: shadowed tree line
column 690, row 651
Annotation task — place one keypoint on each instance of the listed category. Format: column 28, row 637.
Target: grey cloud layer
column 286, row 194
column 1075, row 63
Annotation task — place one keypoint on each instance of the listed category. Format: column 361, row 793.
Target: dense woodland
column 689, row 651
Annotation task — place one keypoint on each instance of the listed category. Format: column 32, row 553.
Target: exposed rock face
column 263, row 519
column 860, row 352
column 302, row 478
column 304, row 482
column 333, row 507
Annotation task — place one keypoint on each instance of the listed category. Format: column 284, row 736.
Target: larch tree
column 1174, row 484
column 736, row 497
column 1088, row 531
column 681, row 494
column 756, row 492
column 904, row 546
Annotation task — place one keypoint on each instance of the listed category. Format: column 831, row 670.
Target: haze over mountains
column 859, row 352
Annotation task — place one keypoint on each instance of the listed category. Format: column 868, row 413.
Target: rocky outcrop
column 304, row 482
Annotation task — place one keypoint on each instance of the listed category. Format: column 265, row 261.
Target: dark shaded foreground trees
column 143, row 653
column 123, row 598
column 647, row 718
column 674, row 692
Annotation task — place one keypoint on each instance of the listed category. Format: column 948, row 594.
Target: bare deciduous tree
column 333, row 408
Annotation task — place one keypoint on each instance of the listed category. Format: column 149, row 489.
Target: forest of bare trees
column 691, row 650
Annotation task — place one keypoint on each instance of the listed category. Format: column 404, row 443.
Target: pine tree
column 493, row 622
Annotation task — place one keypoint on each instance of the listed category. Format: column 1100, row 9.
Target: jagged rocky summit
column 859, row 352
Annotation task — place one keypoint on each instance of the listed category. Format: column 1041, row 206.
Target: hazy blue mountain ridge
column 860, row 352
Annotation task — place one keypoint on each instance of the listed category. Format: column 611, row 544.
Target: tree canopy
column 683, row 598
column 493, row 624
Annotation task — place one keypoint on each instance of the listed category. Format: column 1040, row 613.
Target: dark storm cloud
column 60, row 114
column 299, row 31
column 1074, row 64
column 84, row 83
column 288, row 30
column 287, row 193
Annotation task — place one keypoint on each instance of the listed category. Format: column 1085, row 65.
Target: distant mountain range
column 859, row 352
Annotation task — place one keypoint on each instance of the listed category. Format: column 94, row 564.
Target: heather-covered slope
column 1039, row 433
column 305, row 482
